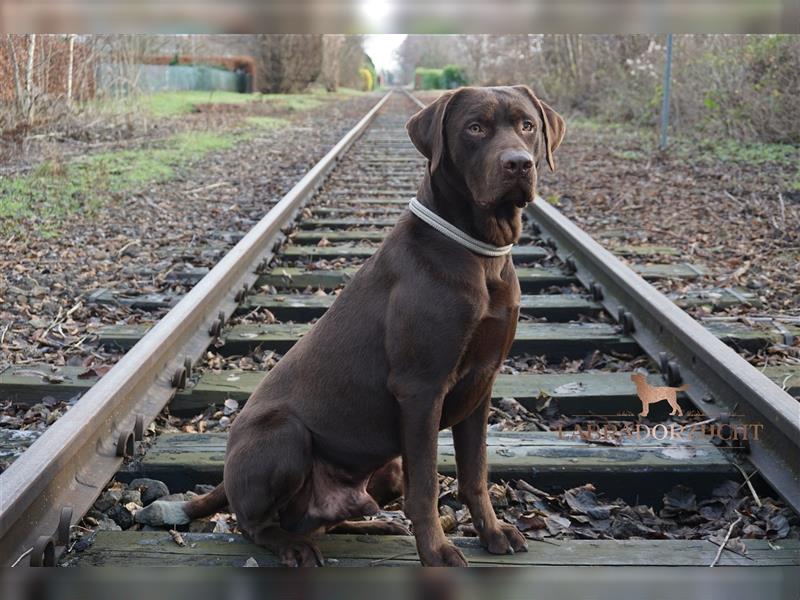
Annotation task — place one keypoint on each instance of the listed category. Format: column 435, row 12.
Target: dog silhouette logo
column 650, row 394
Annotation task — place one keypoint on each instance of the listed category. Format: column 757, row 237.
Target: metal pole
column 665, row 96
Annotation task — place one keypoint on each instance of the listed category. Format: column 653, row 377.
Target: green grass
column 40, row 199
column 54, row 191
column 726, row 150
column 169, row 104
column 733, row 150
column 629, row 154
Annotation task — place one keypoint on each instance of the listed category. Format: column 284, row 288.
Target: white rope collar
column 454, row 233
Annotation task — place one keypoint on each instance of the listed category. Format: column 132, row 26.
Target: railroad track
column 579, row 302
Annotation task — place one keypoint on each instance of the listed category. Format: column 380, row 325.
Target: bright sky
column 381, row 49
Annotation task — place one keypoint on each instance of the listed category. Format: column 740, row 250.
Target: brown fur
column 649, row 394
column 411, row 346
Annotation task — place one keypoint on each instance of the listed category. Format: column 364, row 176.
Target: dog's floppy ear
column 426, row 129
column 554, row 126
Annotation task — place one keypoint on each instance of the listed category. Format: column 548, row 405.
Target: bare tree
column 289, row 63
column 475, row 51
column 332, row 47
column 351, row 60
column 70, row 66
column 30, row 105
column 12, row 55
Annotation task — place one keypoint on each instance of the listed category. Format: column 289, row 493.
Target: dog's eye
column 475, row 128
column 527, row 126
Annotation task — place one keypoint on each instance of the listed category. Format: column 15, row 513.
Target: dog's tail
column 207, row 504
column 682, row 388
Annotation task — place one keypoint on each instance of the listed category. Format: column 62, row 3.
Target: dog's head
column 638, row 377
column 492, row 139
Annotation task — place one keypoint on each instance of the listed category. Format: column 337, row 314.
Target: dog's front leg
column 423, row 352
column 469, row 439
column 420, row 429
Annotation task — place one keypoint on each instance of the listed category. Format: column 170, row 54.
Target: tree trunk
column 332, row 46
column 12, row 53
column 29, row 77
column 70, row 63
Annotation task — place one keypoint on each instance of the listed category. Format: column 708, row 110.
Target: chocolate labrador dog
column 411, row 346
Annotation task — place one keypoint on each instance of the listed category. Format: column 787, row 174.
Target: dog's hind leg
column 386, row 484
column 266, row 474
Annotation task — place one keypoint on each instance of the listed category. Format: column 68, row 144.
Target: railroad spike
column 215, row 329
column 744, row 446
column 625, row 320
column 179, row 378
column 663, row 361
column 125, row 444
column 187, row 364
column 43, row 553
column 138, row 428
column 64, row 524
column 673, row 374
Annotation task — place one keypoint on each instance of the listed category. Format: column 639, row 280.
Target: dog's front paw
column 299, row 553
column 444, row 555
column 504, row 539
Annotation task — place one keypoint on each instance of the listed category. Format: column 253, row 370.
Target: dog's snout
column 516, row 162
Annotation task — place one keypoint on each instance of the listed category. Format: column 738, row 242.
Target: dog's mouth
column 508, row 191
column 518, row 192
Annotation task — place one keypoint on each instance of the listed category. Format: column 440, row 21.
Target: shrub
column 428, row 79
column 367, row 82
column 453, row 76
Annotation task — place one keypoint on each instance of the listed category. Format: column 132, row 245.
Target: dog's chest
column 486, row 348
column 494, row 333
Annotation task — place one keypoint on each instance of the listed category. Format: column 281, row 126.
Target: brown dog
column 650, row 394
column 411, row 346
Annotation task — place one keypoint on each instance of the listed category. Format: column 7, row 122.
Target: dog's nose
column 516, row 162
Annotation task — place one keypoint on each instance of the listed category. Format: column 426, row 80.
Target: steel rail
column 58, row 478
column 414, row 99
column 721, row 383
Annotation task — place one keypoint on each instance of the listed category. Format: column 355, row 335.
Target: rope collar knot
column 454, row 233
